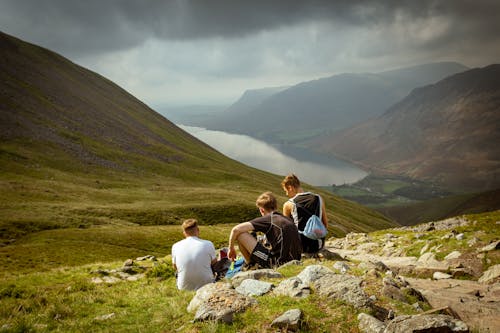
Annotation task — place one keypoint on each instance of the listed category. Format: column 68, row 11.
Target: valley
column 89, row 173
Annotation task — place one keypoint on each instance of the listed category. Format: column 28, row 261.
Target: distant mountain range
column 297, row 113
column 447, row 133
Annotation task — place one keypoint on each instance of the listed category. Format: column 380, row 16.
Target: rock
column 397, row 282
column 105, row 279
column 105, row 317
column 417, row 307
column 369, row 324
column 329, row 255
column 313, row 273
column 289, row 321
column 342, row 287
column 381, row 267
column 147, row 257
column 460, row 237
column 341, row 266
column 367, row 247
column 473, row 241
column 453, row 255
column 426, row 324
column 491, row 275
column 491, row 247
column 218, row 302
column 372, row 273
column 428, row 261
column 441, row 276
column 250, row 287
column 128, row 262
column 255, row 275
column 205, row 292
column 292, row 263
column 394, row 293
column 293, row 287
column 476, row 304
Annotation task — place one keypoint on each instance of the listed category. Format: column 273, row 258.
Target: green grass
column 63, row 299
column 48, row 215
column 484, row 229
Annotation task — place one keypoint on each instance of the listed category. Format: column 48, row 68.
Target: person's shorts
column 262, row 256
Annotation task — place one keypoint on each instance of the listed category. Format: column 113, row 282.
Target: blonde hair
column 267, row 201
column 291, row 180
column 189, row 226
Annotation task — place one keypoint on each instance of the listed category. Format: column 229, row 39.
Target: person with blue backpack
column 308, row 211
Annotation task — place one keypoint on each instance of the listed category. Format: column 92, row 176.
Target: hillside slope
column 327, row 104
column 79, row 155
column 445, row 133
column 437, row 209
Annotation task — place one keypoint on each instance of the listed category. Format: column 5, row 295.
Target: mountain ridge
column 328, row 104
column 444, row 133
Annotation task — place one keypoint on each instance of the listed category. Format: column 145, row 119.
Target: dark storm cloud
column 89, row 27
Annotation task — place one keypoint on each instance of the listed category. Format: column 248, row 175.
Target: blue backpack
column 314, row 229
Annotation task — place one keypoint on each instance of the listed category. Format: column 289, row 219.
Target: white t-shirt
column 193, row 257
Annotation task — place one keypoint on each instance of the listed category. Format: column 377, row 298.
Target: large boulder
column 426, row 323
column 313, row 273
column 293, row 287
column 343, row 287
column 370, row 324
column 255, row 275
column 219, row 302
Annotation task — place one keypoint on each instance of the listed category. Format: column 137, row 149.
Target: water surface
column 310, row 167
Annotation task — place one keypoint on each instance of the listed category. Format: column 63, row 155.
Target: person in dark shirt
column 300, row 207
column 280, row 231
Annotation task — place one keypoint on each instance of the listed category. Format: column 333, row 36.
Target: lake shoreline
column 313, row 168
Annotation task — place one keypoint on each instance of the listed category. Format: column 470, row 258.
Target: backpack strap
column 307, row 210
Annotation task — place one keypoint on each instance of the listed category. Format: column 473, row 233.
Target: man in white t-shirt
column 193, row 258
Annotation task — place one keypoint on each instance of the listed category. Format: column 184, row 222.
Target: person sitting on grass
column 193, row 258
column 280, row 231
column 300, row 207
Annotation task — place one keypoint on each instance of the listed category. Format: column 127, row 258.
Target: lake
column 312, row 168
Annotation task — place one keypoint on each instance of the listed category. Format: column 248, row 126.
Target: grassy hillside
column 442, row 208
column 89, row 173
column 65, row 299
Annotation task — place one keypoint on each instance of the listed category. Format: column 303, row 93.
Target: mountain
column 328, row 104
column 191, row 114
column 441, row 208
column 446, row 133
column 79, row 152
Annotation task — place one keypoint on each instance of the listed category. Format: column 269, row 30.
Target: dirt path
column 476, row 304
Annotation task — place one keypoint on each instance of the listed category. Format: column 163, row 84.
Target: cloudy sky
column 208, row 52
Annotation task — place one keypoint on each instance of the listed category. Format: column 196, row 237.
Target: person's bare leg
column 246, row 244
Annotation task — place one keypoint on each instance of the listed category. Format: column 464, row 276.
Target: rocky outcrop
column 219, row 302
column 426, row 324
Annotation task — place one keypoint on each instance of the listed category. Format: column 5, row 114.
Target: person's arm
column 173, row 258
column 235, row 232
column 287, row 209
column 213, row 254
column 324, row 218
